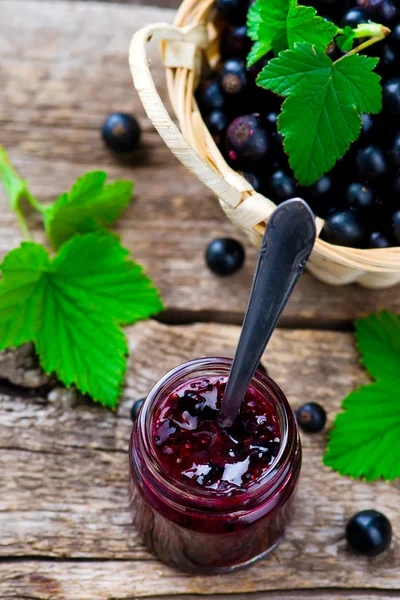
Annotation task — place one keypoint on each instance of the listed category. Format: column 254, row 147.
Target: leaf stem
column 23, row 224
column 384, row 31
column 35, row 203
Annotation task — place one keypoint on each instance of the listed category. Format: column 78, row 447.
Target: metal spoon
column 286, row 246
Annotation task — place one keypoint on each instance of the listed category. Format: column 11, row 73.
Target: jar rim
column 178, row 491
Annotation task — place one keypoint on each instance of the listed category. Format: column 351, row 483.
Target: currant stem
column 384, row 31
column 23, row 224
column 371, row 30
column 35, row 203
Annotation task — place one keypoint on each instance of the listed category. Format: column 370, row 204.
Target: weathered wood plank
column 127, row 581
column 326, row 594
column 64, row 481
column 160, row 3
column 64, row 67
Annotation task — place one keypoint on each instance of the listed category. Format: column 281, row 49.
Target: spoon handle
column 286, row 246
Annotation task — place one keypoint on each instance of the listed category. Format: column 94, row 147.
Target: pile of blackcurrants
column 360, row 198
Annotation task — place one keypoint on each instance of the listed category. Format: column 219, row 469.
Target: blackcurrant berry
column 282, row 186
column 386, row 12
column 253, row 179
column 396, row 226
column 354, row 17
column 234, row 42
column 378, row 240
column 234, row 11
column 388, row 56
column 121, row 132
column 395, row 36
column 360, row 197
column 394, row 150
column 210, row 95
column 391, row 96
column 344, row 228
column 217, row 122
column 369, row 532
column 272, row 120
column 246, row 140
column 136, row 406
column 371, row 162
column 370, row 6
column 271, row 123
column 366, row 126
column 321, row 188
column 225, row 256
column 233, row 77
column 311, row 417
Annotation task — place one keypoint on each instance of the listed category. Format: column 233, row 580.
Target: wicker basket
column 183, row 46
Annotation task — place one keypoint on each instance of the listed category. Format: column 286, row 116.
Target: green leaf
column 82, row 348
column 98, row 265
column 89, row 206
column 293, row 70
column 16, row 188
column 253, row 20
column 304, row 25
column 378, row 339
column 365, row 440
column 272, row 29
column 346, row 38
column 281, row 23
column 21, row 290
column 321, row 116
column 278, row 24
column 258, row 50
column 71, row 308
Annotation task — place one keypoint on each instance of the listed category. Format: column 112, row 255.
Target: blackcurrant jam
column 205, row 498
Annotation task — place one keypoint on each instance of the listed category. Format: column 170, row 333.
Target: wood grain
column 160, row 3
column 115, row 580
column 63, row 69
column 63, row 505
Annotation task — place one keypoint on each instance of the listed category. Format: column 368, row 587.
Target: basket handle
column 182, row 48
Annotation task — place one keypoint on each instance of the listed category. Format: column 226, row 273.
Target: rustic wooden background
column 65, row 531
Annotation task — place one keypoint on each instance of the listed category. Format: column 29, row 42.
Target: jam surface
column 198, row 452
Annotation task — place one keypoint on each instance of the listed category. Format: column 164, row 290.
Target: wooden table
column 65, row 528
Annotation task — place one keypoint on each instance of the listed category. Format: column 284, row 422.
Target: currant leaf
column 321, row 116
column 72, row 306
column 365, row 439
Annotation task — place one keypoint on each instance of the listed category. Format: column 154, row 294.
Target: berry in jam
column 198, row 452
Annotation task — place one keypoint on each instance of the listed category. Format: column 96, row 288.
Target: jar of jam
column 203, row 498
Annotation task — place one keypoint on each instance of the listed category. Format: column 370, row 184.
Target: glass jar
column 202, row 530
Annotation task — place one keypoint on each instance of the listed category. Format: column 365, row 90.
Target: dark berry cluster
column 360, row 197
